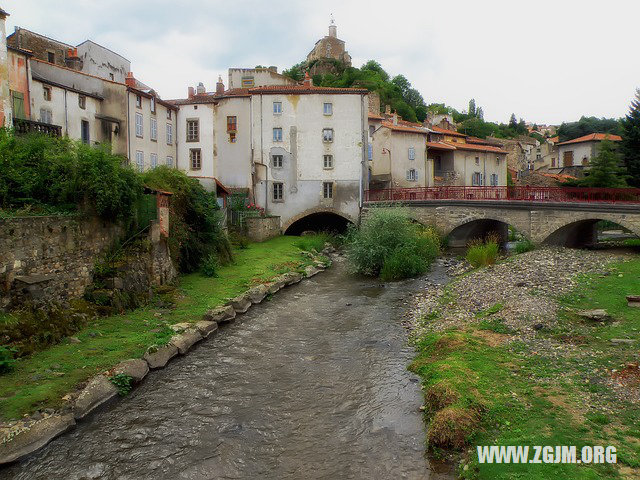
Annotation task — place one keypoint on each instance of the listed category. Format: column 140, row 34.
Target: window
column 278, row 191
column 195, row 158
column 138, row 101
column 51, row 57
column 494, row 179
column 327, row 190
column 476, row 179
column 247, row 82
column 46, row 92
column 154, row 129
column 168, row 114
column 169, row 134
column 277, row 161
column 277, row 108
column 46, row 116
column 277, row 134
column 84, row 132
column 370, row 151
column 193, row 130
column 111, row 76
column 82, row 101
column 412, row 153
column 139, row 160
column 327, row 109
column 412, row 175
column 139, row 125
column 232, row 124
column 328, row 161
column 538, row 157
column 153, row 158
column 327, row 134
column 153, row 104
column 477, row 160
column 232, row 137
column 553, row 162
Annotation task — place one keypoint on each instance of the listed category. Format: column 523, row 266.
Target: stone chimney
column 219, row 86
column 130, row 80
column 191, row 92
column 308, row 81
column 333, row 30
column 72, row 60
column 273, row 68
column 387, row 109
column 395, row 118
column 200, row 90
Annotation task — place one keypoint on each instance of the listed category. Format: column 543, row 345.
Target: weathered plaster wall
column 261, row 229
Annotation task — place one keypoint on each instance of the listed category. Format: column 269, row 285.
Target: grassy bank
column 40, row 380
column 568, row 384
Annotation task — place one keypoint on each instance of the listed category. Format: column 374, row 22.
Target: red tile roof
column 477, row 148
column 476, row 140
column 304, row 89
column 593, row 137
column 404, row 128
column 376, row 116
column 440, row 146
column 447, row 132
column 204, row 98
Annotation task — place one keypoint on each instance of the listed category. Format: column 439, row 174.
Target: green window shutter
column 18, row 105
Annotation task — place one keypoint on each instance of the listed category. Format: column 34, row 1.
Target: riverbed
column 311, row 384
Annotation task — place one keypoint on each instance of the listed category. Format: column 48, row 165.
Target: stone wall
column 51, row 259
column 260, row 229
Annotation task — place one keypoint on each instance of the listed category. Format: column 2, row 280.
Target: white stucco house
column 579, row 151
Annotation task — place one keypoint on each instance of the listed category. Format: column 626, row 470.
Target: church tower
column 328, row 48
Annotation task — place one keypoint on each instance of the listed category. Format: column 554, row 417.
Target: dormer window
column 138, row 101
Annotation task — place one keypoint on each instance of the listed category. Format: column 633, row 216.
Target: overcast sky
column 546, row 61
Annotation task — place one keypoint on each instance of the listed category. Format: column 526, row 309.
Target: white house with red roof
column 579, row 151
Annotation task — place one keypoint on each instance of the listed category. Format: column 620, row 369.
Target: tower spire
column 333, row 30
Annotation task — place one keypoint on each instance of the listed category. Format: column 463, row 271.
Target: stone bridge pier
column 566, row 224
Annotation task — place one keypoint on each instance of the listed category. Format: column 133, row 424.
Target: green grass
column 482, row 254
column 37, row 382
column 481, row 389
column 313, row 242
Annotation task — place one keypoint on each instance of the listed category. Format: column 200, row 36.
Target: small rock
column 220, row 314
column 618, row 341
column 180, row 327
column 74, row 340
column 597, row 315
column 158, row 358
column 136, row 368
column 538, row 326
column 257, row 294
column 206, row 328
column 186, row 340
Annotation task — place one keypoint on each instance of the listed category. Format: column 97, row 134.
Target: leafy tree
column 587, row 125
column 376, row 67
column 414, row 98
column 472, row 107
column 402, row 83
column 296, row 72
column 480, row 113
column 605, row 170
column 631, row 140
column 421, row 113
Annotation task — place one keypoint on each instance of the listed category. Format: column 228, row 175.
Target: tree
column 480, row 113
column 472, row 107
column 513, row 121
column 587, row 125
column 296, row 72
column 631, row 140
column 402, row 83
column 605, row 169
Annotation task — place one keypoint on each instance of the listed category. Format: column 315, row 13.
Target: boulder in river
column 38, row 435
column 159, row 357
column 206, row 328
column 98, row 390
column 240, row 304
column 257, row 293
column 276, row 286
column 186, row 340
column 222, row 314
column 291, row 278
column 136, row 368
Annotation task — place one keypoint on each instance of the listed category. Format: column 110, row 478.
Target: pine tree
column 605, row 169
column 472, row 107
column 631, row 140
column 513, row 121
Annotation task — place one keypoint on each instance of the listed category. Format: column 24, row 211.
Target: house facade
column 579, row 151
column 257, row 77
column 19, row 82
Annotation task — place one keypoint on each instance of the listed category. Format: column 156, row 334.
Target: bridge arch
column 317, row 219
column 461, row 233
column 581, row 232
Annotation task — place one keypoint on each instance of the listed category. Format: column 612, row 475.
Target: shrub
column 313, row 242
column 42, row 172
column 482, row 253
column 238, row 240
column 388, row 243
column 123, row 383
column 195, row 227
column 210, row 266
column 524, row 246
column 7, row 362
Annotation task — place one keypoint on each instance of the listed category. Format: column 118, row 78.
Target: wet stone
column 158, row 358
column 206, row 328
column 220, row 314
column 99, row 390
column 186, row 340
column 136, row 368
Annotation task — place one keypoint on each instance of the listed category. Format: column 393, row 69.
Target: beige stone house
column 579, row 151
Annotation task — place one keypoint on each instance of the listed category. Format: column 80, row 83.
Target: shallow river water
column 309, row 385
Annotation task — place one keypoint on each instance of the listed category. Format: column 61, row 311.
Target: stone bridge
column 562, row 223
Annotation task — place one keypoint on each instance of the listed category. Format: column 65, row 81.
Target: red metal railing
column 522, row 194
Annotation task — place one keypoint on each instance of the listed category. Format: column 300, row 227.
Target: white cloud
column 547, row 61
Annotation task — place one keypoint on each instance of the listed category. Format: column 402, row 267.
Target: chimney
column 73, row 61
column 219, row 86
column 191, row 92
column 395, row 118
column 387, row 109
column 200, row 90
column 130, row 80
column 308, row 81
column 273, row 68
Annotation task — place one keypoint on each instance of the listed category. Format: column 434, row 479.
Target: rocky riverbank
column 508, row 356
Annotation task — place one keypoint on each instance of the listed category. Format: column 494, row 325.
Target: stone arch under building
column 317, row 220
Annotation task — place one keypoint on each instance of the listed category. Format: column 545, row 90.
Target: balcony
column 23, row 127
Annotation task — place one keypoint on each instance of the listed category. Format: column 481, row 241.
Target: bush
column 195, row 227
column 238, row 240
column 123, row 383
column 42, row 172
column 7, row 362
column 524, row 246
column 482, row 253
column 210, row 266
column 389, row 244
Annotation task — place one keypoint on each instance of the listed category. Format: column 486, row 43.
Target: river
column 309, row 385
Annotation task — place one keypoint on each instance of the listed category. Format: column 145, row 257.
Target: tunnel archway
column 318, row 221
column 481, row 228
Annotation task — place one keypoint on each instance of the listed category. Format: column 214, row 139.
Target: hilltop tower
column 327, row 51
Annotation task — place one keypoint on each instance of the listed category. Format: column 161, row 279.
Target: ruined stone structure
column 566, row 224
column 326, row 51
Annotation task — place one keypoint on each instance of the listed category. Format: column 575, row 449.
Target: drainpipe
column 129, row 129
column 266, row 171
column 364, row 150
column 66, row 119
